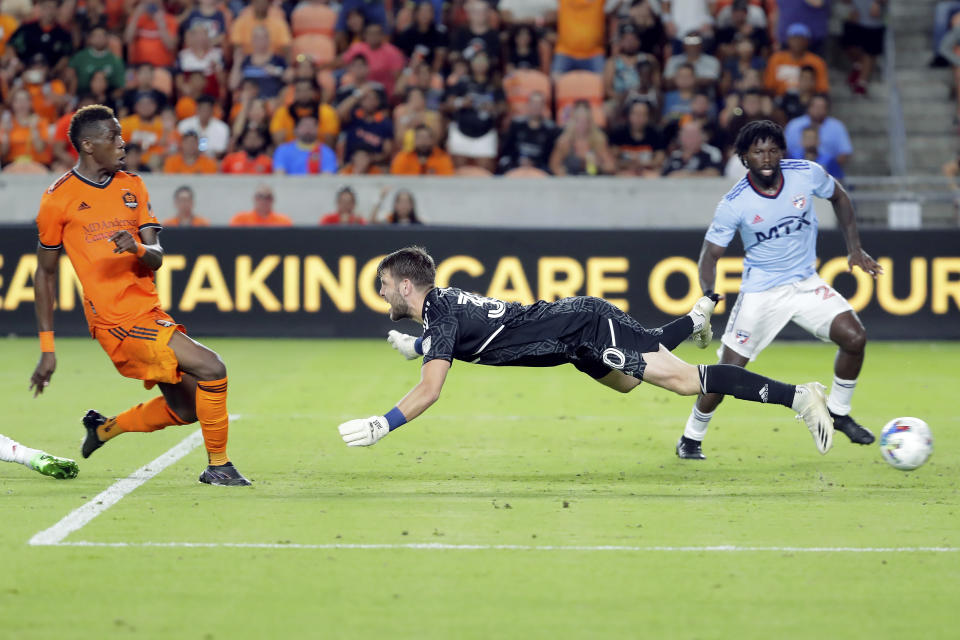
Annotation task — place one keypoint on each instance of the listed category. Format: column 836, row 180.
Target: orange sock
column 147, row 416
column 214, row 421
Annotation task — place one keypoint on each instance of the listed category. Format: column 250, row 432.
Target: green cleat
column 54, row 466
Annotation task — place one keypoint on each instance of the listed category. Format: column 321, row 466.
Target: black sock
column 745, row 385
column 676, row 332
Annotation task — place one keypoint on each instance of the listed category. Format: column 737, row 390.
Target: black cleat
column 224, row 475
column 688, row 449
column 857, row 433
column 92, row 442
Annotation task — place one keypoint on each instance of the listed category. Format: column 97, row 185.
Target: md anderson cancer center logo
column 96, row 231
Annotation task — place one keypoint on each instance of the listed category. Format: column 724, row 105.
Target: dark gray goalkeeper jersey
column 588, row 332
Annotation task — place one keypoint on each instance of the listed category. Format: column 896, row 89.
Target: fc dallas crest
column 800, row 201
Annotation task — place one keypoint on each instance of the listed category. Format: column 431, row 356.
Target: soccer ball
column 906, row 443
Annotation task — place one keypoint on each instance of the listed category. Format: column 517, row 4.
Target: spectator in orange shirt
column 425, row 159
column 145, row 127
column 306, row 102
column 185, row 217
column 64, row 155
column 151, row 34
column 170, row 138
column 581, row 26
column 251, row 157
column 259, row 12
column 49, row 96
column 8, row 25
column 189, row 160
column 345, row 215
column 783, row 68
column 262, row 214
column 24, row 136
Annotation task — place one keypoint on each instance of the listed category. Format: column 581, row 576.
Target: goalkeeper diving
column 589, row 333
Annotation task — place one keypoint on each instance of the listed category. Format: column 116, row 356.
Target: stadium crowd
column 530, row 87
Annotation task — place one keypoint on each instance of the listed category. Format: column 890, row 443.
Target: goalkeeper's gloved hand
column 402, row 343
column 364, row 432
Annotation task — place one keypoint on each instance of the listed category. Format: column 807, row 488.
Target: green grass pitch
column 525, row 457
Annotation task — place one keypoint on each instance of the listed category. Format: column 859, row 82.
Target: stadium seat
column 580, row 85
column 473, row 172
column 319, row 47
column 316, row 19
column 526, row 172
column 520, row 84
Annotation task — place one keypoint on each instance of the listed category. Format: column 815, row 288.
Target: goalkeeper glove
column 403, row 343
column 364, row 432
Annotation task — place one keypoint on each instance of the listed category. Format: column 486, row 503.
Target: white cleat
column 810, row 403
column 701, row 313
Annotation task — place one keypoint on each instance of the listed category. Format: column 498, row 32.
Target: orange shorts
column 140, row 348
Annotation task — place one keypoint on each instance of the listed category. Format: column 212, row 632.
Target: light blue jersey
column 779, row 232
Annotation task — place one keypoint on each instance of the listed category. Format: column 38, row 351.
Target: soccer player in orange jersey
column 101, row 216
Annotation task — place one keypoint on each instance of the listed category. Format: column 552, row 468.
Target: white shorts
column 758, row 316
column 459, row 144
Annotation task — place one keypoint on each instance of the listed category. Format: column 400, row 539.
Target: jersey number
column 498, row 306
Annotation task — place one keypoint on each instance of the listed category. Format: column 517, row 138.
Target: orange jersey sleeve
column 50, row 217
column 145, row 216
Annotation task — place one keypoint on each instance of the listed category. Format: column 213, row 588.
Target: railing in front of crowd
column 905, row 202
column 895, row 125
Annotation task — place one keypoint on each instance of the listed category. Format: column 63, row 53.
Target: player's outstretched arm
column 45, row 287
column 408, row 346
column 856, row 256
column 365, row 432
column 149, row 251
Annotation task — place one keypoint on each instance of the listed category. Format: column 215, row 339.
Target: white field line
column 81, row 516
column 436, row 546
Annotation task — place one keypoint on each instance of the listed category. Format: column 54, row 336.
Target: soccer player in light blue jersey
column 772, row 210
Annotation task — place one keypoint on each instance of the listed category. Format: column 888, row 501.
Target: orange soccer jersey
column 79, row 216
